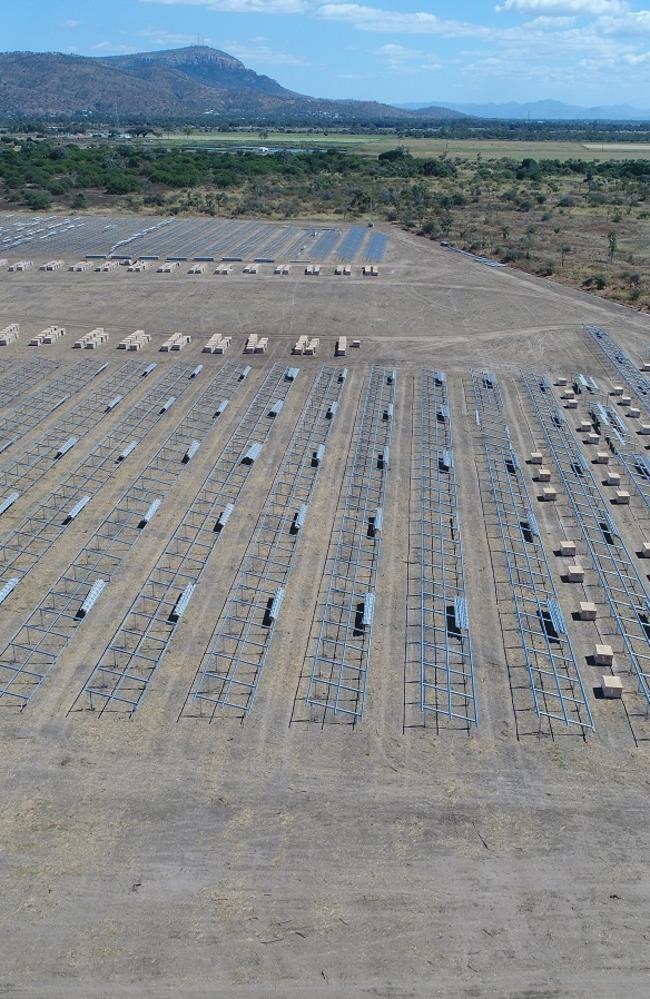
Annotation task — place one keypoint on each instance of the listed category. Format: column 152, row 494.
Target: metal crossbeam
column 339, row 667
column 557, row 688
column 439, row 618
column 233, row 665
column 137, row 650
column 625, row 590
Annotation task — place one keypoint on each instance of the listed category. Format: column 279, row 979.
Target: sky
column 585, row 52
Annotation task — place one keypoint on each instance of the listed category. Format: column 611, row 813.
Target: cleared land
column 181, row 853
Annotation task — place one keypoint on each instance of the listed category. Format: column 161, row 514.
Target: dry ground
column 168, row 857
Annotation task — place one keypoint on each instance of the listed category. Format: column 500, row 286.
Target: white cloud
column 564, row 7
column 546, row 23
column 71, row 23
column 416, row 23
column 405, row 60
column 241, row 6
column 637, row 58
column 628, row 24
column 258, row 51
column 159, row 36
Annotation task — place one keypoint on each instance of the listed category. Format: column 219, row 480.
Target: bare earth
column 165, row 856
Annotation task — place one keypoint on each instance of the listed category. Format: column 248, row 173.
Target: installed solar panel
column 351, row 244
column 376, row 248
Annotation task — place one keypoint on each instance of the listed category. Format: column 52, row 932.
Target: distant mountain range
column 175, row 83
column 547, row 110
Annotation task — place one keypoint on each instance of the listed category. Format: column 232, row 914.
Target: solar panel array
column 184, row 239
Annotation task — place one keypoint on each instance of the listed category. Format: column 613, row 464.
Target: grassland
column 373, row 145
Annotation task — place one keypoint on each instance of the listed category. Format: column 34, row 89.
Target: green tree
column 612, row 242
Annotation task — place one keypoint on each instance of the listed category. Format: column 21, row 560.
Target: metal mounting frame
column 557, row 688
column 339, row 668
column 233, row 665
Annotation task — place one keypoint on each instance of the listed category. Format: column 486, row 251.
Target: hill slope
column 175, row 83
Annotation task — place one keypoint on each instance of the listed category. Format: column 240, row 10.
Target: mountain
column 547, row 110
column 177, row 83
column 205, row 66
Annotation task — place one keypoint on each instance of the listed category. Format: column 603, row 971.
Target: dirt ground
column 160, row 855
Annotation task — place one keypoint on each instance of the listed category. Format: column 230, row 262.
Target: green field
column 372, row 145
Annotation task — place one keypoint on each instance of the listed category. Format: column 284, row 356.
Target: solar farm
column 324, row 623
column 182, row 239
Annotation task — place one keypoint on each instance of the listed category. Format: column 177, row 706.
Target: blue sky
column 581, row 51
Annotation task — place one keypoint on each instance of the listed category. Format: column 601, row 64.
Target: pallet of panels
column 438, row 622
column 22, row 265
column 177, row 341
column 53, row 265
column 233, row 664
column 557, row 688
column 81, row 266
column 217, row 344
column 92, row 340
column 339, row 666
column 137, row 650
column 616, row 569
column 9, row 334
column 47, row 336
column 134, row 341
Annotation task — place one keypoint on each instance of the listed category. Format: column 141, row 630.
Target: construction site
column 324, row 622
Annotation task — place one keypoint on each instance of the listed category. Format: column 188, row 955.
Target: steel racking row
column 621, row 582
column 623, row 364
column 625, row 449
column 24, row 546
column 438, row 622
column 137, row 649
column 32, row 409
column 36, row 647
column 39, row 457
column 233, row 665
column 339, row 668
column 557, row 688
column 23, row 378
